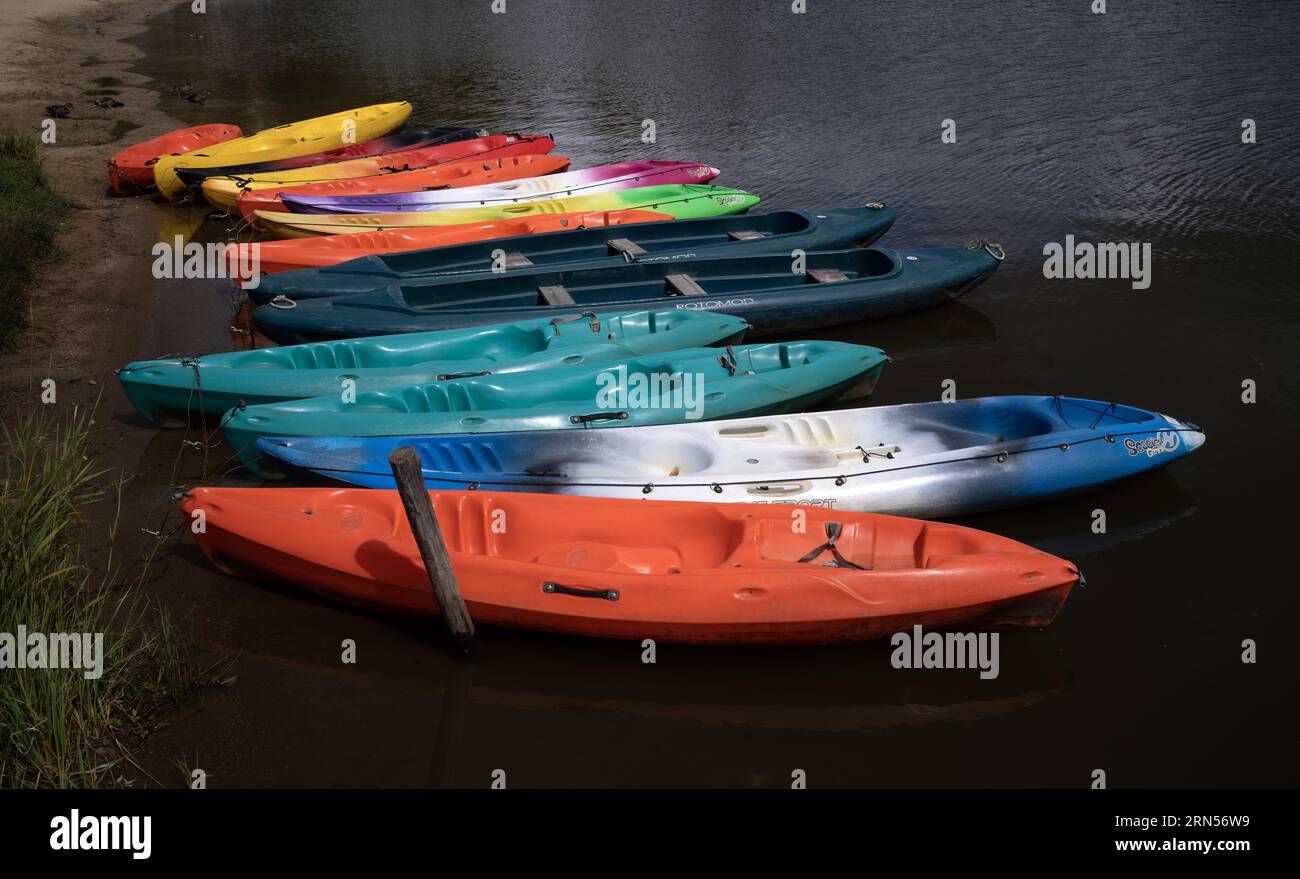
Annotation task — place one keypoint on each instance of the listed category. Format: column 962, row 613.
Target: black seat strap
column 833, row 530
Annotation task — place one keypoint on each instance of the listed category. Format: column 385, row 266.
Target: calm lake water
column 1124, row 127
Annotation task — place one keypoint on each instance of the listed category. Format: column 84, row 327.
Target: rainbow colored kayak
column 588, row 181
column 680, row 201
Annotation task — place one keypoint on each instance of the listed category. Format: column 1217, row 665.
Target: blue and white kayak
column 919, row 459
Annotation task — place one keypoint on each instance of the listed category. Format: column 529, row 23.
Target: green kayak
column 178, row 391
column 681, row 201
column 672, row 388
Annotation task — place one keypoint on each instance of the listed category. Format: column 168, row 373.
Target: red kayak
column 671, row 571
column 230, row 191
column 130, row 171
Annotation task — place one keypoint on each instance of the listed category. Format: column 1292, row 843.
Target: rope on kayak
column 237, row 228
column 162, row 533
column 1059, row 402
column 196, row 388
column 875, row 205
column 159, row 535
column 868, row 455
column 282, row 301
column 833, row 530
column 991, row 248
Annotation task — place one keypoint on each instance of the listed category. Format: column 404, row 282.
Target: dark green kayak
column 774, row 293
column 671, row 240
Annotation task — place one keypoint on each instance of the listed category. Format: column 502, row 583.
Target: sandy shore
column 57, row 51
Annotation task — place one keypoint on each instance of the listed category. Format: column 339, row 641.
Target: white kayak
column 586, row 181
column 920, row 459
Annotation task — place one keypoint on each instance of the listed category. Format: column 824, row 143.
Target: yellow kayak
column 681, row 201
column 285, row 141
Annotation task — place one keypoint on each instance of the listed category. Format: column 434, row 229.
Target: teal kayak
column 178, row 391
column 672, row 388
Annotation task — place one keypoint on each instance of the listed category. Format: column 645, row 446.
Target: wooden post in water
column 433, row 549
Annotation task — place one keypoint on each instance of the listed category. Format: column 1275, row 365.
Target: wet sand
column 74, row 50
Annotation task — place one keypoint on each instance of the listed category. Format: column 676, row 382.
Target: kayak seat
column 982, row 425
column 555, row 295
column 533, row 534
column 803, row 430
column 937, row 542
column 677, row 460
column 683, row 285
column 826, row 276
column 449, row 396
column 772, row 542
column 624, row 247
column 588, row 555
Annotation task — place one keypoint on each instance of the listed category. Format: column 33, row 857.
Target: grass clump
column 59, row 728
column 29, row 226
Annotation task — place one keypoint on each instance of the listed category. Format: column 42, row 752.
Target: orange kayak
column 448, row 175
column 327, row 250
column 130, row 171
column 672, row 571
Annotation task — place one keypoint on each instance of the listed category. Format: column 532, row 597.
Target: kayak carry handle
column 590, row 315
column 598, row 416
column 447, row 376
column 558, row 589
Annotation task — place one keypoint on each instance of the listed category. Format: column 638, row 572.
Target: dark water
column 1122, row 127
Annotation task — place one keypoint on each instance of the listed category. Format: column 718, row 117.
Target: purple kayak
column 604, row 178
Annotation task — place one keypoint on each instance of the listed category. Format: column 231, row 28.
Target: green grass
column 60, row 729
column 29, row 226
